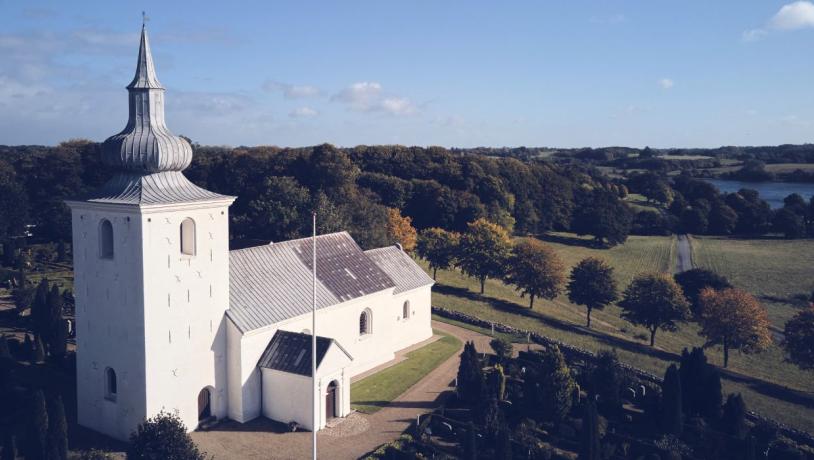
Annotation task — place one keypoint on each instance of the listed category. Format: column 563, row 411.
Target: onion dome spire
column 146, row 145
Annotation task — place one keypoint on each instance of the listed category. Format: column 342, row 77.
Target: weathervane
column 144, row 19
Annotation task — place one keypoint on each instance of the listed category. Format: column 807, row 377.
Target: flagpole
column 314, row 341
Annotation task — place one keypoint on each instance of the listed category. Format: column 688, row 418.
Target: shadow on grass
column 402, row 404
column 509, row 307
column 771, row 389
column 572, row 241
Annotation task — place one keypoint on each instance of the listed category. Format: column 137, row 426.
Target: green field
column 376, row 391
column 762, row 379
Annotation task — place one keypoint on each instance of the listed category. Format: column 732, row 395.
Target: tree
column 592, row 285
column 58, row 342
column 54, row 317
column 722, row 219
column 281, row 211
column 693, row 281
column 798, row 341
column 695, row 220
column 700, row 385
column 656, row 302
column 672, row 417
column 602, row 214
column 484, row 250
column 162, row 436
column 503, row 448
column 36, row 447
column 557, row 385
column 38, row 355
column 438, row 247
column 471, row 443
column 39, row 308
column 502, row 349
column 589, row 448
column 789, row 223
column 9, row 446
column 734, row 319
column 400, row 229
column 734, row 416
column 57, row 438
column 606, row 380
column 536, row 270
column 470, row 379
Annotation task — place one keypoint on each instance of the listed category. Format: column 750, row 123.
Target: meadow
column 770, row 386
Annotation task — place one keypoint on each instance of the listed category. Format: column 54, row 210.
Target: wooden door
column 330, row 402
column 204, row 404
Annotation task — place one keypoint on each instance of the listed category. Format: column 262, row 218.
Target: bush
column 162, row 437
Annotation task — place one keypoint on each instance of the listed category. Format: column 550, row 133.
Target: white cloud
column 292, row 91
column 303, row 112
column 666, row 83
column 367, row 96
column 753, row 35
column 797, row 15
column 792, row 16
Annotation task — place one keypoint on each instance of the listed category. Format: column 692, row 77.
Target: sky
column 574, row 73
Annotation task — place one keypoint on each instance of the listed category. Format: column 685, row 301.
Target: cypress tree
column 470, row 375
column 37, row 428
column 471, row 443
column 57, row 430
column 750, row 447
column 734, row 416
column 558, row 385
column 39, row 308
column 5, row 353
column 589, row 435
column 28, row 348
column 54, row 314
column 672, row 417
column 58, row 344
column 39, row 352
column 700, row 385
column 606, row 381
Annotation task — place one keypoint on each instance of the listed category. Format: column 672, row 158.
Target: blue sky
column 451, row 73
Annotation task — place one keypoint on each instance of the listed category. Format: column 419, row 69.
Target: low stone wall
column 571, row 352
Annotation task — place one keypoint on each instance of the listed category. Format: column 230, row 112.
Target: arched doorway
column 330, row 401
column 204, row 404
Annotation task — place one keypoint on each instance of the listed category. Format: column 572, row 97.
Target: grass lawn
column 376, row 391
column 764, row 376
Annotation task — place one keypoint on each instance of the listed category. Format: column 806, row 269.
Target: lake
column 772, row 192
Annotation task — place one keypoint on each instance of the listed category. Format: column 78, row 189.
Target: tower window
column 365, row 320
column 105, row 239
column 406, row 309
column 188, row 237
column 111, row 389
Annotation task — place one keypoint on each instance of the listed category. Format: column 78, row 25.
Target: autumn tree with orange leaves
column 400, row 229
column 734, row 319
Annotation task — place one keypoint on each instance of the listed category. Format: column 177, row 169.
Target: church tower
column 151, row 267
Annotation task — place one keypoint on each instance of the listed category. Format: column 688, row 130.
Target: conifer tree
column 589, row 435
column 57, row 430
column 36, row 447
column 470, row 375
column 54, row 319
column 39, row 308
column 606, row 381
column 503, row 448
column 558, row 385
column 28, row 348
column 734, row 416
column 672, row 417
column 471, row 443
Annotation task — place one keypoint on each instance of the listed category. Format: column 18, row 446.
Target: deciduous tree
column 693, row 281
column 400, row 229
column 798, row 341
column 484, row 251
column 602, row 214
column 656, row 302
column 438, row 247
column 536, row 270
column 592, row 285
column 734, row 319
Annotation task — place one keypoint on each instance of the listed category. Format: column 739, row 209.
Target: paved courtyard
column 351, row 438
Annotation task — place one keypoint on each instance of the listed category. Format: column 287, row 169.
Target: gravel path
column 684, row 254
column 263, row 439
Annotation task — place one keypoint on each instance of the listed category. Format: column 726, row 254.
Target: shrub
column 162, row 437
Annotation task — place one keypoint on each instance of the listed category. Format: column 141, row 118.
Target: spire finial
column 144, row 19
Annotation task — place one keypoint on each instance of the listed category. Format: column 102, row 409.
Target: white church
column 168, row 318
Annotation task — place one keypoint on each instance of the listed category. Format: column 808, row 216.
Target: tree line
column 729, row 317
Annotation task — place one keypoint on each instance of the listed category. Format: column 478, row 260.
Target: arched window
column 365, row 322
column 188, row 237
column 105, row 239
column 110, row 384
column 405, row 310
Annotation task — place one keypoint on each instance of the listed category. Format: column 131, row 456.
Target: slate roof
column 158, row 188
column 272, row 283
column 401, row 268
column 291, row 352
